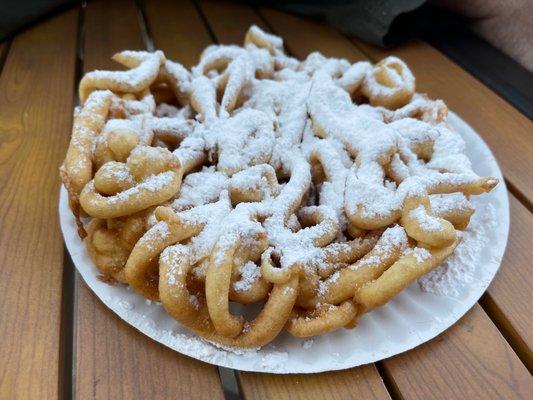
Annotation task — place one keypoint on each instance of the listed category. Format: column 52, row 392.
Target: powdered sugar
column 250, row 272
column 419, row 253
column 200, row 188
column 275, row 136
column 153, row 183
column 459, row 269
column 144, row 69
column 241, row 141
column 424, row 220
column 443, row 203
column 398, row 74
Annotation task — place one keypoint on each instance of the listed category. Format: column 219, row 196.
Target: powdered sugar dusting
column 293, row 135
column 459, row 269
column 250, row 272
column 426, row 221
column 153, row 183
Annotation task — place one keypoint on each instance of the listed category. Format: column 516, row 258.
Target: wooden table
column 58, row 341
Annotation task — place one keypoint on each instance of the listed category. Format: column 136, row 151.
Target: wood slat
column 508, row 132
column 229, row 23
column 356, row 383
column 121, row 363
column 177, row 29
column 113, row 360
column 466, row 353
column 471, row 360
column 508, row 298
column 109, row 28
column 36, row 89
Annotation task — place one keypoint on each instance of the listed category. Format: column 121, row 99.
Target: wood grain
column 121, row 363
column 356, row 383
column 109, row 28
column 36, row 89
column 508, row 298
column 363, row 382
column 113, row 360
column 177, row 29
column 508, row 132
column 471, row 360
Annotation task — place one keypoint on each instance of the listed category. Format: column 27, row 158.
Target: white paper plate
column 410, row 319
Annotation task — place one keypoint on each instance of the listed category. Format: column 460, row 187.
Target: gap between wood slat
column 388, row 381
column 4, row 50
column 66, row 338
column 68, row 326
column 205, row 22
column 77, row 280
column 79, row 52
column 527, row 203
column 228, row 380
column 506, row 328
column 143, row 24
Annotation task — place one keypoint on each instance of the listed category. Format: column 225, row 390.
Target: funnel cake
column 318, row 188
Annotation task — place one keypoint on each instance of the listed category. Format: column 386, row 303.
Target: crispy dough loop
column 390, row 204
column 411, row 266
column 339, row 255
column 261, row 39
column 170, row 230
column 320, row 226
column 178, row 79
column 230, row 249
column 256, row 290
column 204, row 99
column 119, row 138
column 275, row 274
column 144, row 70
column 421, row 224
column 77, row 169
column 157, row 176
column 455, row 208
column 254, row 184
column 176, row 299
column 343, row 284
column 217, row 286
column 323, row 319
column 110, row 243
column 390, row 84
